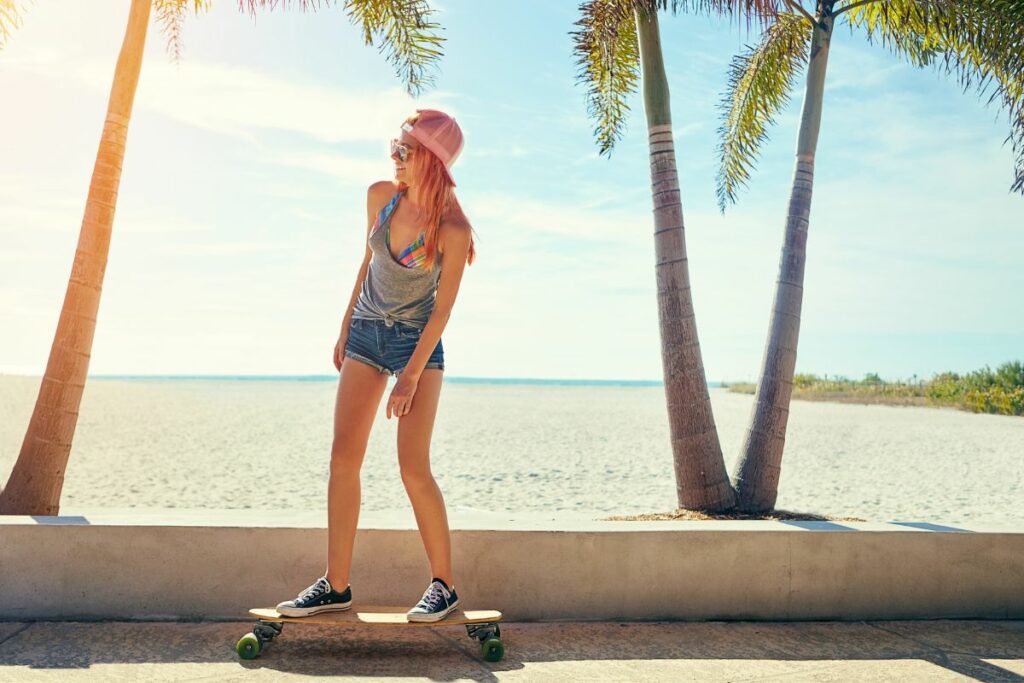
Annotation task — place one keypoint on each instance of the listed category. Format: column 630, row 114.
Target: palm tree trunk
column 702, row 482
column 38, row 476
column 759, row 464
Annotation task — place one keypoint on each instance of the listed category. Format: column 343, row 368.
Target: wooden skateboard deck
column 480, row 624
column 394, row 616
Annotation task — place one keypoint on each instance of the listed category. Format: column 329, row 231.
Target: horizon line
column 320, row 377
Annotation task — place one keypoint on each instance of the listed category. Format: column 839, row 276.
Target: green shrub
column 946, row 387
column 1010, row 375
column 996, row 400
column 804, row 381
column 986, row 390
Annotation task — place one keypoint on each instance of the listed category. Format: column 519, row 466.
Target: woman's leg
column 414, row 430
column 360, row 388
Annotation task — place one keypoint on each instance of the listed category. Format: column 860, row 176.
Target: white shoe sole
column 308, row 612
column 432, row 617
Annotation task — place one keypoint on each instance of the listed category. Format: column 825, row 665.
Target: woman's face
column 405, row 171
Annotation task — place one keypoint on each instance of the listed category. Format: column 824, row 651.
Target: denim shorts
column 387, row 345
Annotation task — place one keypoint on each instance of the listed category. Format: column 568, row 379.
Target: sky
column 241, row 213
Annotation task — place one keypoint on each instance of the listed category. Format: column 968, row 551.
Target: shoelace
column 319, row 587
column 434, row 595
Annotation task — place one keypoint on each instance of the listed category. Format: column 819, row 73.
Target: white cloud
column 219, row 248
column 243, row 102
column 343, row 168
column 500, row 151
column 687, row 129
column 855, row 64
column 31, row 58
column 59, row 207
column 556, row 218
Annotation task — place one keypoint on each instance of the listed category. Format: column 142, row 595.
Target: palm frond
column 253, row 5
column 407, row 37
column 403, row 28
column 9, row 20
column 170, row 14
column 764, row 11
column 760, row 81
column 980, row 42
column 752, row 7
column 608, row 63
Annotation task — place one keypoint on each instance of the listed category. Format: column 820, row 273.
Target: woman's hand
column 400, row 400
column 339, row 350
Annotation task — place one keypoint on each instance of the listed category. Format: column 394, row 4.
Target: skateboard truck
column 481, row 625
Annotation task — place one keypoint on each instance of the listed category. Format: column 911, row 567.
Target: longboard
column 480, row 624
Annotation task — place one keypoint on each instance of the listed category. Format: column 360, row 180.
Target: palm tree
column 9, row 19
column 618, row 44
column 36, row 481
column 980, row 41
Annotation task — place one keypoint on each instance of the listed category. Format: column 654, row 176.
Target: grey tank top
column 392, row 290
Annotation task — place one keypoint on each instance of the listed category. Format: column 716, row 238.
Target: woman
column 399, row 307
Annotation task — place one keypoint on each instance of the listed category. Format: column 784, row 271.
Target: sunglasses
column 402, row 150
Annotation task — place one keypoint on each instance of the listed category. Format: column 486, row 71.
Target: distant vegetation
column 999, row 391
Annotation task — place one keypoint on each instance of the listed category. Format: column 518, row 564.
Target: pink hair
column 437, row 194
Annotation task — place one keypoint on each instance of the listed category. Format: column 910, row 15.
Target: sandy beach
column 512, row 448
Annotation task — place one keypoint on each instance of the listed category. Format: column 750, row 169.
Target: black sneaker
column 437, row 602
column 320, row 597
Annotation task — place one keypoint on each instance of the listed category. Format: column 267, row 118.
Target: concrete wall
column 217, row 564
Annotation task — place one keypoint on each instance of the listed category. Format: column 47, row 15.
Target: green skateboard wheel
column 248, row 646
column 493, row 649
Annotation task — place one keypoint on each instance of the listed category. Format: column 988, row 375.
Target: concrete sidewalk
column 941, row 650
